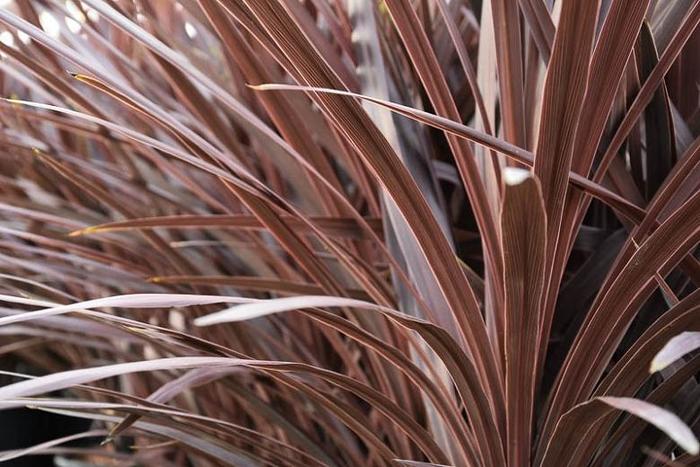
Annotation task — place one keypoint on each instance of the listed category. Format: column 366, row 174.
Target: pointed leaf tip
column 675, row 348
column 78, row 233
column 515, row 175
column 666, row 421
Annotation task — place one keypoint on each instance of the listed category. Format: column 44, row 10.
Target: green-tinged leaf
column 334, row 225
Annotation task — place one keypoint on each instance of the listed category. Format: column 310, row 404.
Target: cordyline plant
column 353, row 233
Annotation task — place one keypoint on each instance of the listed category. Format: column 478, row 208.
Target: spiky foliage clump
column 320, row 232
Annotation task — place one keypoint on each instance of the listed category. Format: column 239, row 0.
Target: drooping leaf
column 583, row 417
column 676, row 348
